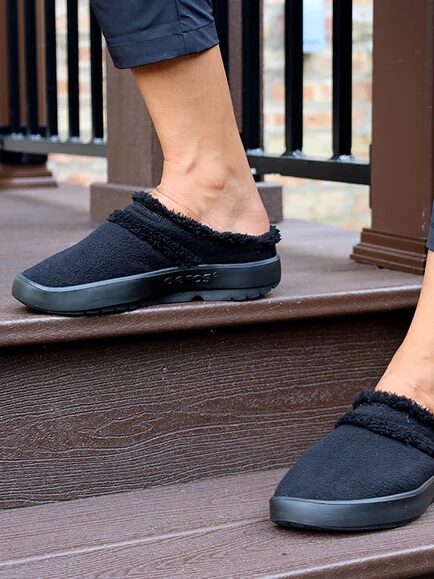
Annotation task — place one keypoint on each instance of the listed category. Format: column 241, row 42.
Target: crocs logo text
column 198, row 278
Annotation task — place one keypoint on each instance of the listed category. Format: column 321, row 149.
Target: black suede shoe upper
column 145, row 236
column 385, row 446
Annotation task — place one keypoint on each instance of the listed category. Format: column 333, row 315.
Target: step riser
column 97, row 418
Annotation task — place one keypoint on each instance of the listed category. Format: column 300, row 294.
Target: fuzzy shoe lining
column 409, row 422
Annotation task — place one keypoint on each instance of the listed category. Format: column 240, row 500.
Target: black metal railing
column 34, row 83
column 38, row 137
column 342, row 166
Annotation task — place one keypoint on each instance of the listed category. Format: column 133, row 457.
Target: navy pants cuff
column 147, row 51
column 430, row 240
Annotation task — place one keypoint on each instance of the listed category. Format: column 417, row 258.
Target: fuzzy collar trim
column 269, row 239
column 399, row 403
column 408, row 425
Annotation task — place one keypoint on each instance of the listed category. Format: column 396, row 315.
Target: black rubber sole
column 359, row 515
column 222, row 282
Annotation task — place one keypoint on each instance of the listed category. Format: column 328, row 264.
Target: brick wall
column 341, row 204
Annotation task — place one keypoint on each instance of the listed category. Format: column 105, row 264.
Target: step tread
column 318, row 278
column 211, row 528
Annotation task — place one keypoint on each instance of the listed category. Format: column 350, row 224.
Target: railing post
column 133, row 151
column 21, row 170
column 402, row 181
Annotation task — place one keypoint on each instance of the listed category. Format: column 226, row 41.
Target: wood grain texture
column 216, row 528
column 79, row 420
column 318, row 278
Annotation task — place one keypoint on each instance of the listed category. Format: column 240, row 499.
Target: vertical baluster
column 252, row 74
column 96, row 78
column 31, row 67
column 73, row 72
column 221, row 9
column 342, row 77
column 51, row 66
column 13, row 67
column 293, row 76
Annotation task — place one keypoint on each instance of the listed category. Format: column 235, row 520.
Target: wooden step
column 94, row 406
column 318, row 278
column 207, row 529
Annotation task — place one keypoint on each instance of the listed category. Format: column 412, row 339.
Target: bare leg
column 411, row 371
column 206, row 175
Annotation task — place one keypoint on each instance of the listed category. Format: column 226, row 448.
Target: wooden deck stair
column 166, row 396
column 207, row 529
column 318, row 278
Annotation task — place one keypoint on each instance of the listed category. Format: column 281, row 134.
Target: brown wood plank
column 92, row 418
column 318, row 278
column 213, row 528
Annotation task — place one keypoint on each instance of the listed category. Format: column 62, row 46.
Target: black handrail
column 293, row 161
column 33, row 137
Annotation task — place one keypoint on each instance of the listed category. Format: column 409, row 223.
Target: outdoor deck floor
column 318, row 277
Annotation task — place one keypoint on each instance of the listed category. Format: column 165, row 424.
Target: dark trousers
column 430, row 242
column 146, row 31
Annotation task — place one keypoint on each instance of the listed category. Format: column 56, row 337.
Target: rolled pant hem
column 146, row 51
column 430, row 241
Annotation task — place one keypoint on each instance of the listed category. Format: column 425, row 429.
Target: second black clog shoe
column 374, row 471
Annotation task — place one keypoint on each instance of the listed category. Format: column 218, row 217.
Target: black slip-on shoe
column 374, row 471
column 146, row 254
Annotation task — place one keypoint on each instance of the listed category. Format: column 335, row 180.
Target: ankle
column 216, row 194
column 211, row 179
column 410, row 374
